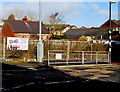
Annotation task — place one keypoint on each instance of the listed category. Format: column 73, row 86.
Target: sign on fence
column 14, row 43
column 58, row 56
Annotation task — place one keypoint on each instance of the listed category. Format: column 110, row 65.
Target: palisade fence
column 73, row 49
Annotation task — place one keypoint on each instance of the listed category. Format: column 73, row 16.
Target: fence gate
column 76, row 57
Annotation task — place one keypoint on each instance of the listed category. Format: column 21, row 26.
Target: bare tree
column 55, row 19
column 19, row 14
column 32, row 15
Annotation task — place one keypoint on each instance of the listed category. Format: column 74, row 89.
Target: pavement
column 101, row 72
column 17, row 77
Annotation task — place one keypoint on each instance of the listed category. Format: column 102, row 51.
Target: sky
column 88, row 13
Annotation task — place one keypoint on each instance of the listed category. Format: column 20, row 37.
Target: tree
column 11, row 16
column 55, row 19
column 19, row 14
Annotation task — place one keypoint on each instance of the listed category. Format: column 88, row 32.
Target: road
column 28, row 76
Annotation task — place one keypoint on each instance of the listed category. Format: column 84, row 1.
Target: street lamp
column 40, row 48
column 110, row 30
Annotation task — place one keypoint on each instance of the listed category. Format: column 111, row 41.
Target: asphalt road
column 31, row 77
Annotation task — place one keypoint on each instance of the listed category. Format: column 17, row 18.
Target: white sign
column 58, row 56
column 14, row 43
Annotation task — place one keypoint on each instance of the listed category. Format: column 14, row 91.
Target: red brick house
column 24, row 29
column 114, row 24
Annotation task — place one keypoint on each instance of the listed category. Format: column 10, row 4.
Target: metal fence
column 69, row 47
column 75, row 57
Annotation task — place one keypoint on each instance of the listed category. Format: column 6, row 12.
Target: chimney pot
column 25, row 18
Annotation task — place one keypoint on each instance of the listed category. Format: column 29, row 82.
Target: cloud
column 71, row 12
column 0, row 10
column 82, row 5
column 56, row 0
column 76, row 0
column 20, row 0
column 18, row 10
column 115, row 14
column 68, row 11
column 95, row 7
column 103, row 12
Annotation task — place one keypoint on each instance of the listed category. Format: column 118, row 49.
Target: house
column 58, row 29
column 75, row 34
column 115, row 24
column 1, row 24
column 55, row 29
column 24, row 29
column 82, row 27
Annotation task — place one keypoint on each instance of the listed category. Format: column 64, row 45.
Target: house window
column 26, row 36
column 45, row 37
column 20, row 36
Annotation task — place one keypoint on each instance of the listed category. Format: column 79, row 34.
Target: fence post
column 82, row 57
column 4, row 47
column 68, row 51
column 109, row 58
column 96, row 57
column 48, row 58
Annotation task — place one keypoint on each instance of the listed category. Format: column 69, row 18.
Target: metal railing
column 76, row 57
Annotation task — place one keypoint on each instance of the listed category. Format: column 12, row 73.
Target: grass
column 14, row 61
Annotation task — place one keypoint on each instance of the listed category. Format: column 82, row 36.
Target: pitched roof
column 76, row 33
column 82, row 27
column 115, row 23
column 19, row 26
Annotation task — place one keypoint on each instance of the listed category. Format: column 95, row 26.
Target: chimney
column 25, row 18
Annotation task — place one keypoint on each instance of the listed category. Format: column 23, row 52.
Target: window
column 45, row 37
column 26, row 36
column 20, row 36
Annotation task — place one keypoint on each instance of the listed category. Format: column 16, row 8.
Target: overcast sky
column 74, row 12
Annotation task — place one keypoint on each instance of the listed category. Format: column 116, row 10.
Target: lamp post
column 40, row 48
column 110, row 29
